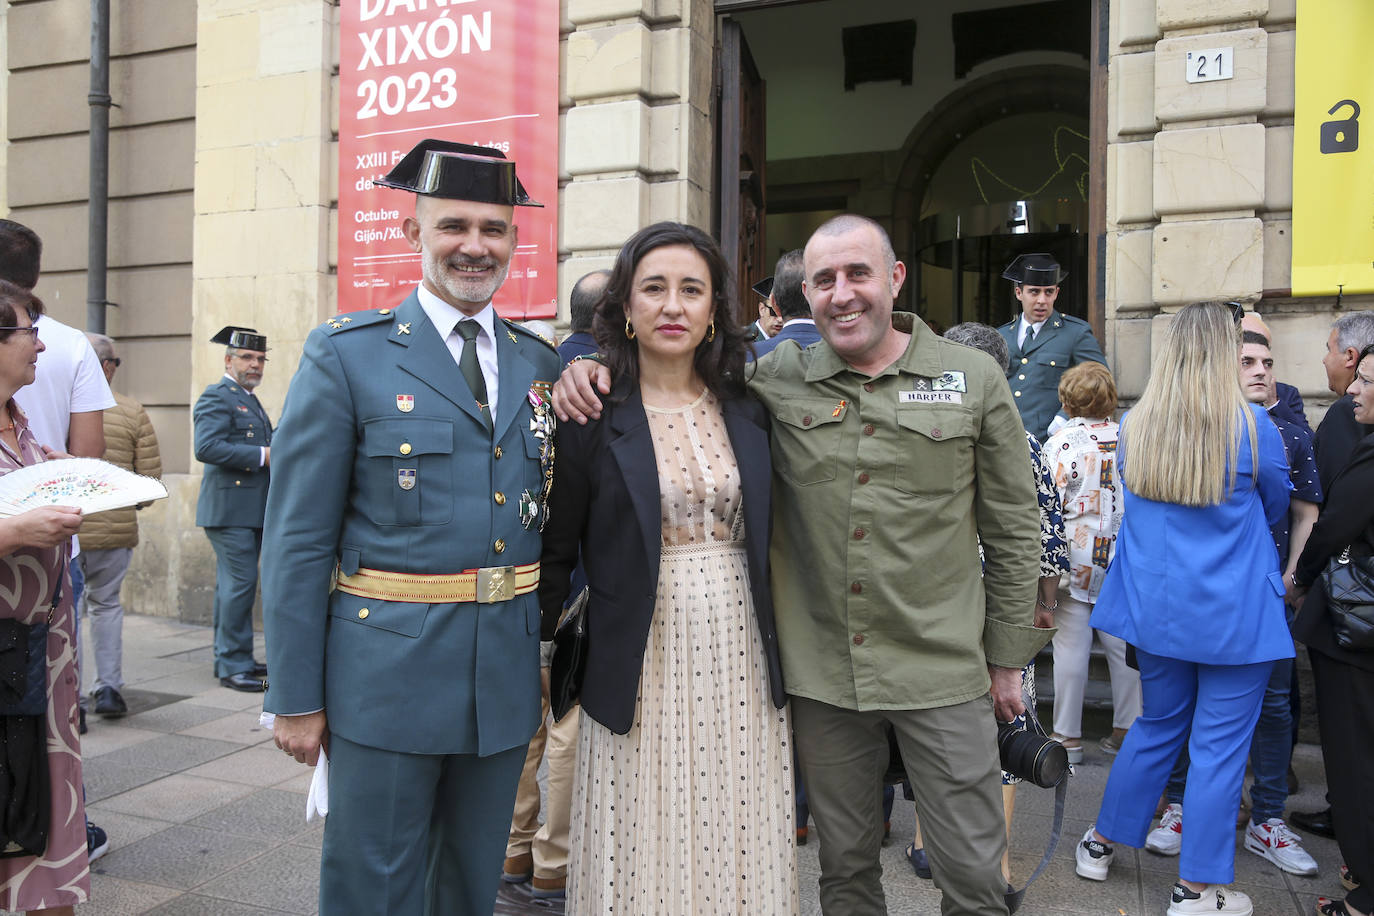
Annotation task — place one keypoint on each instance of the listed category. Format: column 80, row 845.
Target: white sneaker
column 1212, row 900
column 1092, row 858
column 1168, row 836
column 1274, row 841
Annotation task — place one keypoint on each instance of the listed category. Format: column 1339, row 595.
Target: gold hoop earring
column 629, row 331
column 711, row 332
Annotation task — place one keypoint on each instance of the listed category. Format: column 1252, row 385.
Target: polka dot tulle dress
column 692, row 810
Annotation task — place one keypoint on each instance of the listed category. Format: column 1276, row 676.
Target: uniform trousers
column 1345, row 719
column 547, row 842
column 104, row 570
column 415, row 833
column 236, row 587
column 1220, row 704
column 951, row 758
column 1073, row 643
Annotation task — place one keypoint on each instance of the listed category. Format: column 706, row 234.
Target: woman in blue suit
column 1195, row 588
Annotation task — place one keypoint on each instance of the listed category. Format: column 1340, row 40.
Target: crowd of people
column 794, row 546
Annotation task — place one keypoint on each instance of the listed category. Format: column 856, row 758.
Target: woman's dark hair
column 1367, row 351
column 13, row 300
column 719, row 362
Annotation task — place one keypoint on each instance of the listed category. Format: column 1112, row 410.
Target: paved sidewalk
column 206, row 816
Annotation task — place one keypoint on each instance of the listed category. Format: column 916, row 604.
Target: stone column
column 637, row 137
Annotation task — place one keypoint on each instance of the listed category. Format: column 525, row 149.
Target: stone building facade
column 224, row 171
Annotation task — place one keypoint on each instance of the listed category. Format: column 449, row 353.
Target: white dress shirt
column 445, row 319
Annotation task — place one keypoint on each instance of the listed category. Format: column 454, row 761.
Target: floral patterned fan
column 89, row 484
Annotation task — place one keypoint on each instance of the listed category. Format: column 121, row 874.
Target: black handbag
column 1349, row 584
column 23, row 668
column 569, row 663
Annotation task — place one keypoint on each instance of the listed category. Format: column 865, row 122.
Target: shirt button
column 858, row 639
column 362, row 613
column 868, row 386
column 859, row 534
column 1024, row 360
column 499, row 497
column 806, row 421
column 238, row 483
column 1021, row 378
column 1053, row 363
column 405, row 448
column 496, row 452
column 499, row 546
column 869, row 430
column 935, row 433
column 856, row 588
column 863, row 478
column 1017, row 393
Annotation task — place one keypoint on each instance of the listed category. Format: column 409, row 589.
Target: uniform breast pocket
column 1051, row 364
column 248, row 430
column 407, row 471
column 938, row 459
column 808, row 436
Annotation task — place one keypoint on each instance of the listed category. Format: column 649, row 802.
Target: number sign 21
column 1209, row 65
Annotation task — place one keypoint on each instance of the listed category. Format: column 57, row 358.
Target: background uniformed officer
column 234, row 440
column 411, row 467
column 1043, row 342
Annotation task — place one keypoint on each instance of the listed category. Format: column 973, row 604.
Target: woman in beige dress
column 682, row 802
column 33, row 565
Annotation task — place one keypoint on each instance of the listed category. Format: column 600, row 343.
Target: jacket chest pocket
column 938, row 459
column 808, row 436
column 408, row 471
column 249, row 430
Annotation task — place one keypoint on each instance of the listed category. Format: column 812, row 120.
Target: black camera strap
column 1061, row 791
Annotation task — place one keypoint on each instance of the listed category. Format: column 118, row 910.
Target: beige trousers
column 547, row 842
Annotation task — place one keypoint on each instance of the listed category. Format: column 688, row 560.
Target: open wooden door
column 740, row 156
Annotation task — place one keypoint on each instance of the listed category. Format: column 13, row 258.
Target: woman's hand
column 53, row 454
column 574, row 398
column 44, row 527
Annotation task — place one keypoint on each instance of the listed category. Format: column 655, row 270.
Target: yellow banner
column 1333, row 160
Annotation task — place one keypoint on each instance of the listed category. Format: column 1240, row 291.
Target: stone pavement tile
column 170, row 753
column 270, row 815
column 215, row 694
column 177, row 797
column 112, row 896
column 286, row 878
column 199, row 654
column 312, row 836
column 299, row 783
column 103, row 779
column 196, row 905
column 260, row 765
column 1072, row 894
column 103, row 738
column 170, row 718
column 122, row 829
column 239, row 727
column 182, row 857
column 186, row 684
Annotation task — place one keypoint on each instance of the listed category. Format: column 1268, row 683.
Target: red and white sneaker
column 1273, row 840
column 1168, row 836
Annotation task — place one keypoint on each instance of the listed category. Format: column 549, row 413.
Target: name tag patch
column 929, row 397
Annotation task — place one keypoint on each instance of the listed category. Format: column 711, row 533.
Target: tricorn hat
column 241, row 339
column 764, row 287
column 458, row 171
column 1035, row 270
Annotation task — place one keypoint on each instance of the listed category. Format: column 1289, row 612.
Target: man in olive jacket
column 108, row 538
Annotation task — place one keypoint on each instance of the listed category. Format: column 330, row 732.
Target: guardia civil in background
column 411, row 470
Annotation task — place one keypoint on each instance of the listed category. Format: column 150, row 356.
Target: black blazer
column 1347, row 519
column 605, row 502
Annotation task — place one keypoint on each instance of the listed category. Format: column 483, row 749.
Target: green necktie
column 472, row 371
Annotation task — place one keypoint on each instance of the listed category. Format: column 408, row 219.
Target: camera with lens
column 1030, row 753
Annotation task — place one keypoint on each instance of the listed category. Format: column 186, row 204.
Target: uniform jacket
column 803, row 332
column 1063, row 341
column 231, row 428
column 130, row 443
column 1202, row 583
column 384, row 462
column 576, row 344
column 606, row 500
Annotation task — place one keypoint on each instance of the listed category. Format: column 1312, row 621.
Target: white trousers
column 1073, row 645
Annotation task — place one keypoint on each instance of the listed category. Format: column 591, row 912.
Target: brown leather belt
column 487, row 585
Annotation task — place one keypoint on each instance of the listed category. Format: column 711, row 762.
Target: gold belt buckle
column 495, row 583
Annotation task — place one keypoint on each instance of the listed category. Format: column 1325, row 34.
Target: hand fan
column 89, row 484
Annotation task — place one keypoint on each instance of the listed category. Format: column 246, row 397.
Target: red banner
column 473, row 71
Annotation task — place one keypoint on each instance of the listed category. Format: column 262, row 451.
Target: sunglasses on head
column 1237, row 310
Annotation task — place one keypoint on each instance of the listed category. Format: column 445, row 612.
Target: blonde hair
column 1184, row 434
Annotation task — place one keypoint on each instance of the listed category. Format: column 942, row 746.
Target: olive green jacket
column 882, row 490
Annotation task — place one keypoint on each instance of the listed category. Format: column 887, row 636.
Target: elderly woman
column 1344, row 676
column 684, row 742
column 1081, row 457
column 42, row 754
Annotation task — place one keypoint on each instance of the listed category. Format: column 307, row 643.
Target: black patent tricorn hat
column 241, row 339
column 764, row 287
column 1035, row 270
column 458, row 171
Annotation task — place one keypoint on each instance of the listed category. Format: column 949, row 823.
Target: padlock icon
column 1343, row 135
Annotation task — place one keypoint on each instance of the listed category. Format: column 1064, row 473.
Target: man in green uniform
column 895, row 454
